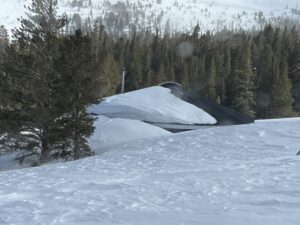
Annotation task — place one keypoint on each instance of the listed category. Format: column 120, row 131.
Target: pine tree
column 146, row 69
column 277, row 42
column 98, row 35
column 263, row 84
column 256, row 49
column 244, row 81
column 3, row 79
column 38, row 51
column 281, row 91
column 4, row 40
column 268, row 33
column 79, row 86
column 156, row 57
column 109, row 72
column 222, row 73
column 211, row 81
column 196, row 32
column 294, row 71
column 119, row 51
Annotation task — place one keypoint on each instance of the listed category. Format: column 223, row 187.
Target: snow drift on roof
column 153, row 104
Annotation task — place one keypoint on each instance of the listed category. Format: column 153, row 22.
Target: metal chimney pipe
column 123, row 80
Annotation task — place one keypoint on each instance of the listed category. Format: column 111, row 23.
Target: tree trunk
column 76, row 135
column 45, row 151
column 76, row 147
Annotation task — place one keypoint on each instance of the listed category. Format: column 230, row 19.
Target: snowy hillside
column 237, row 175
column 171, row 15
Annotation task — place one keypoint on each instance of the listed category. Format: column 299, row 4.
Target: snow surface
column 110, row 132
column 237, row 175
column 154, row 104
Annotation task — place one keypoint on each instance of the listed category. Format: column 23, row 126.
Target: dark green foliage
column 243, row 82
column 46, row 80
column 210, row 92
column 38, row 51
column 282, row 91
column 237, row 71
column 78, row 86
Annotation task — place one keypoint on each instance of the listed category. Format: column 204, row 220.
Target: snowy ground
column 241, row 175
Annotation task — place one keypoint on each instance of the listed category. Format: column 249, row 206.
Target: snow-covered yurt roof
column 155, row 105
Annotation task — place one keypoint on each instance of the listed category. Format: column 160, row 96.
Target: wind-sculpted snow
column 237, row 175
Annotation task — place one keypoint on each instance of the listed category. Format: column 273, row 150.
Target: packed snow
column 154, row 104
column 237, row 175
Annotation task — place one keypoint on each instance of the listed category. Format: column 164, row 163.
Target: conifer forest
column 50, row 74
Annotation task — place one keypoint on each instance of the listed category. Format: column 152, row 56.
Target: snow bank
column 154, row 104
column 238, row 175
column 112, row 132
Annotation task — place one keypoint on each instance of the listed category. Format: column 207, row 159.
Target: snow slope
column 154, row 104
column 174, row 15
column 237, row 175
